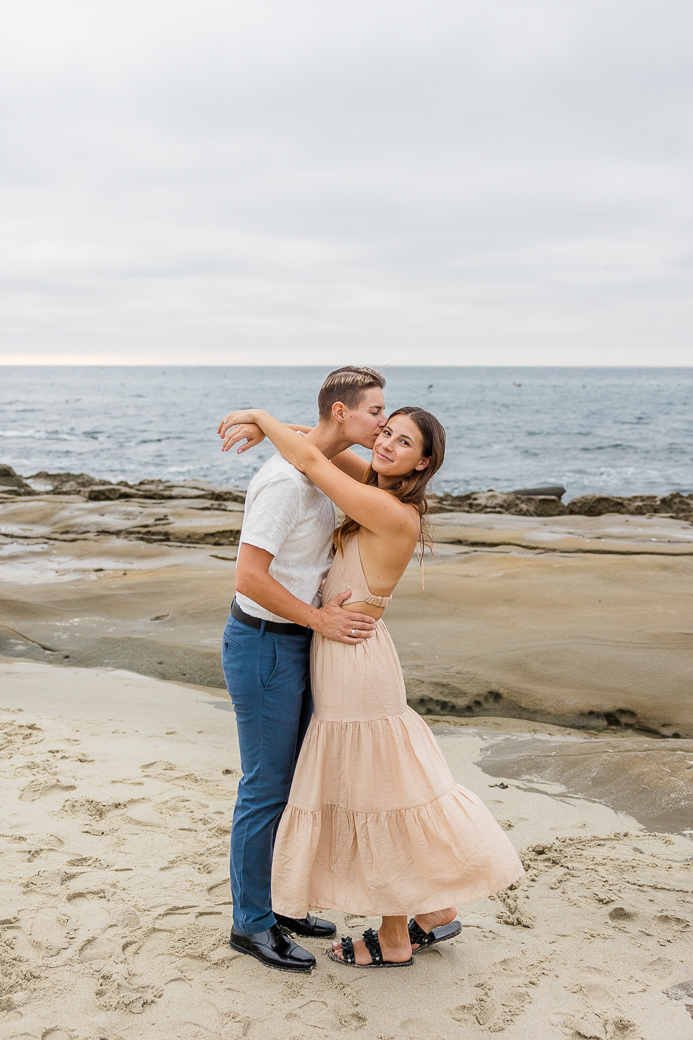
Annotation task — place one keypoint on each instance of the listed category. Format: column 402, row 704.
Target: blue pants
column 267, row 676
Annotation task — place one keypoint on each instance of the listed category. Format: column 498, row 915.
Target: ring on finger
column 353, row 633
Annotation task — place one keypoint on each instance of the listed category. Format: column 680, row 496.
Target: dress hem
column 428, row 906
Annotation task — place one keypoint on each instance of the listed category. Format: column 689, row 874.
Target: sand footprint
column 101, row 948
column 159, row 766
column 671, row 924
column 317, row 1014
column 51, row 930
column 181, row 804
column 188, row 931
column 14, row 736
column 355, row 921
column 88, row 861
column 493, row 1010
column 588, row 1025
column 205, row 861
column 45, row 785
column 204, row 938
column 92, row 808
column 682, row 991
column 416, row 1028
column 48, row 882
column 169, row 919
column 514, row 913
column 115, row 992
column 88, row 910
column 236, row 1027
column 220, row 893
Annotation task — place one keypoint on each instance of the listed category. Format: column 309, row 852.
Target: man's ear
column 423, row 464
column 339, row 411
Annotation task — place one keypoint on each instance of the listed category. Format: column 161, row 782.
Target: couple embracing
column 345, row 802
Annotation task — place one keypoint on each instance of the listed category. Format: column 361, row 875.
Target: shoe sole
column 441, row 934
column 277, row 967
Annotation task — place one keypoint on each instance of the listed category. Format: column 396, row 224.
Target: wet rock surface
column 650, row 779
column 12, row 483
column 544, row 501
column 95, row 489
column 521, row 504
column 183, row 518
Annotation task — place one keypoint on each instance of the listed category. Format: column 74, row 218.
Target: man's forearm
column 266, row 591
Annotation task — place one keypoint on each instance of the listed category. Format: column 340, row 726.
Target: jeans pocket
column 237, row 635
column 269, row 659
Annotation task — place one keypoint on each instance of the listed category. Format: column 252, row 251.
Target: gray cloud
column 310, row 181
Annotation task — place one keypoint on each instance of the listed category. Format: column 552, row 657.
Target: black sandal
column 370, row 937
column 440, row 934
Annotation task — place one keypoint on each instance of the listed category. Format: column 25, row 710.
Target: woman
column 375, row 823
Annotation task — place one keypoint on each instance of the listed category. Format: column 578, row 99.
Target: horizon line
column 82, row 363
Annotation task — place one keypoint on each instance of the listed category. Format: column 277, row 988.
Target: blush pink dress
column 375, row 823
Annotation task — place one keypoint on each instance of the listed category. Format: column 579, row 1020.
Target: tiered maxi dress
column 375, row 824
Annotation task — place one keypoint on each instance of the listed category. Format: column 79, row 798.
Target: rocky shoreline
column 674, row 505
column 95, row 489
column 515, row 503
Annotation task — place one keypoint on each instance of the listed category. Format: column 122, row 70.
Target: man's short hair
column 347, row 385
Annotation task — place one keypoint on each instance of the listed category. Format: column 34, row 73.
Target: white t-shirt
column 288, row 516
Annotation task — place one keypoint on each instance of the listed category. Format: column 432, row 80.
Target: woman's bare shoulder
column 405, row 532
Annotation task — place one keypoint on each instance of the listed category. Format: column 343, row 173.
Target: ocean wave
column 618, row 446
column 41, row 435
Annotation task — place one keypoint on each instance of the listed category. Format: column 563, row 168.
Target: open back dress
column 375, row 824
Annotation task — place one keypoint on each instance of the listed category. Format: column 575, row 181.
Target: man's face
column 363, row 423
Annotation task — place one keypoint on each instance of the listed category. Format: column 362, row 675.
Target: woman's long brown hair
column 412, row 487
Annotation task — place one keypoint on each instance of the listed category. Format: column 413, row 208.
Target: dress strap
column 378, row 601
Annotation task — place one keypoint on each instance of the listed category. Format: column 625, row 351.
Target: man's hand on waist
column 344, row 626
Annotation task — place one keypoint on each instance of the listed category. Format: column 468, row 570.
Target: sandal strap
column 417, row 934
column 348, row 950
column 370, row 937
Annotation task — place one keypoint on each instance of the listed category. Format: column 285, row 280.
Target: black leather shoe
column 311, row 926
column 273, row 948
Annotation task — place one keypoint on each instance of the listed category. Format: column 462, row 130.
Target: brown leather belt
column 282, row 628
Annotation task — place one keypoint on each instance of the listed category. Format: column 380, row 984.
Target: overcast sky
column 325, row 181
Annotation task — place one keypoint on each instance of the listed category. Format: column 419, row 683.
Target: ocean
column 619, row 431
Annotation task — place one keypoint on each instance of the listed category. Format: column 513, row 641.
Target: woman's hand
column 295, row 450
column 249, row 432
column 245, row 415
column 240, row 426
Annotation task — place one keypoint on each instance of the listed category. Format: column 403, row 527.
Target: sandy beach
column 550, row 655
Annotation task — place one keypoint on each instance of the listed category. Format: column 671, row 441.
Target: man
column 283, row 557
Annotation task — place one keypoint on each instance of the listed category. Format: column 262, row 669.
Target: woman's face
column 398, row 449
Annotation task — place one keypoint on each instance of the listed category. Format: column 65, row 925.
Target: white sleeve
column 276, row 509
